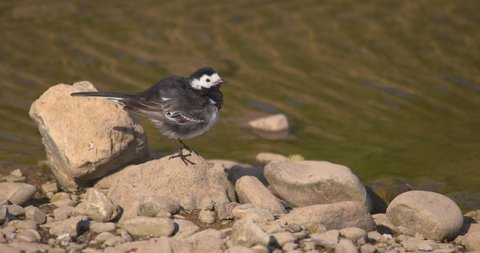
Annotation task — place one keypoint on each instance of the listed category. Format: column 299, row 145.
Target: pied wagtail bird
column 181, row 107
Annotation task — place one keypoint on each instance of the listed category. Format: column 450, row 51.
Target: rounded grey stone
column 306, row 183
column 251, row 190
column 149, row 226
column 16, row 193
column 430, row 214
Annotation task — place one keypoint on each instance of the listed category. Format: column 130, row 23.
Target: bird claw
column 180, row 153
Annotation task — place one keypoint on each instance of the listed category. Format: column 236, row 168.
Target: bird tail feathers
column 109, row 95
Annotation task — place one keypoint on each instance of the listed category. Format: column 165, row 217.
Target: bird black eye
column 208, row 80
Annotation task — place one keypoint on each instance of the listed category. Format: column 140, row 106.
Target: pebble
column 14, row 176
column 23, row 224
column 207, row 217
column 16, row 210
column 206, row 204
column 273, row 123
column 247, row 233
column 248, row 211
column 49, row 187
column 97, row 206
column 73, row 226
column 346, row 246
column 151, row 206
column 383, row 224
column 353, row 233
column 283, row 237
column 300, row 235
column 224, row 210
column 112, row 242
column 271, row 227
column 103, row 236
column 35, row 214
column 266, row 157
column 99, row 227
column 17, row 193
column 184, row 228
column 367, row 248
column 289, row 246
column 149, row 226
column 294, row 228
column 64, row 239
column 29, row 235
column 327, row 239
column 125, row 235
column 63, row 213
column 60, row 196
column 251, row 190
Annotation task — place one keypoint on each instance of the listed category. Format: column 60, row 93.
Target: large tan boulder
column 193, row 186
column 85, row 138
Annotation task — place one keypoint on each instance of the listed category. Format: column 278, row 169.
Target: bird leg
column 186, row 147
column 180, row 153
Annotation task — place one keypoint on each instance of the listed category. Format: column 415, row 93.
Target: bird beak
column 222, row 81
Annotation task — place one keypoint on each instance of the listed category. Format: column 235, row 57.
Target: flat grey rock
column 74, row 226
column 305, row 183
column 149, row 226
column 332, row 216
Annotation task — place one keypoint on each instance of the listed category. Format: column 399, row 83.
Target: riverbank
column 240, row 215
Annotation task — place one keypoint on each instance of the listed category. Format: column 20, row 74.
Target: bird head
column 205, row 78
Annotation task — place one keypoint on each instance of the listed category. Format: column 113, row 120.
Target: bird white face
column 206, row 81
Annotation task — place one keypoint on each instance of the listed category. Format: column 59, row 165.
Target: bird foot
column 183, row 157
column 180, row 152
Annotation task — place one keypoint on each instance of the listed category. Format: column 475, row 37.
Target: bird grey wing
column 163, row 109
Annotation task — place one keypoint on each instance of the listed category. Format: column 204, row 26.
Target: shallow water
column 388, row 89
